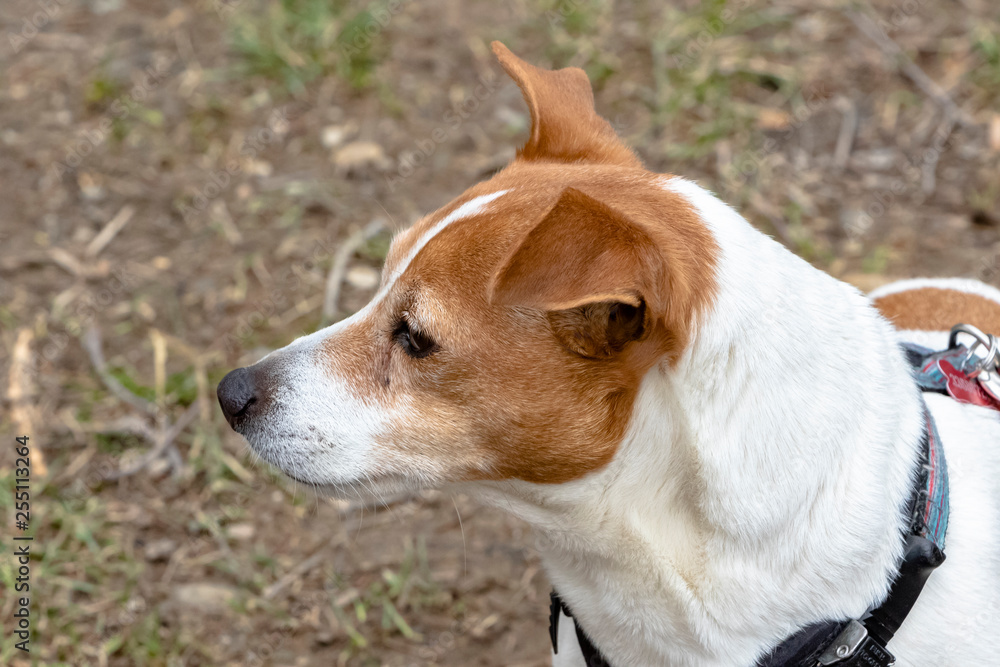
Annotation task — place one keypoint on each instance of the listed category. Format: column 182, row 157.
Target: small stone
column 158, row 468
column 876, row 159
column 856, row 223
column 90, row 186
column 18, row 91
column 241, row 531
column 204, row 597
column 145, row 311
column 325, row 637
column 358, row 156
column 773, row 119
column 82, row 235
column 243, row 191
column 333, row 135
column 260, row 168
column 160, row 550
column 362, row 277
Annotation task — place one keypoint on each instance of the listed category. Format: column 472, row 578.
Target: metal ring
column 984, row 339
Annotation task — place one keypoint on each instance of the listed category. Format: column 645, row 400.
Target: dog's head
column 512, row 328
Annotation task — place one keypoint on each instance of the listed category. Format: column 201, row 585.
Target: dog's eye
column 414, row 342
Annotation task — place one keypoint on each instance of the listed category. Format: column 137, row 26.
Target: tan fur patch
column 564, row 125
column 938, row 309
column 504, row 396
column 504, row 383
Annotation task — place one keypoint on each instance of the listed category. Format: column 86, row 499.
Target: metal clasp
column 987, row 371
column 845, row 645
column 989, row 341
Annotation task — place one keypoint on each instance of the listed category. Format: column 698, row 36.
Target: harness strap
column 591, row 656
column 919, row 560
column 862, row 643
column 816, row 645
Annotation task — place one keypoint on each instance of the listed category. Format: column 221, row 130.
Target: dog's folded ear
column 564, row 125
column 598, row 275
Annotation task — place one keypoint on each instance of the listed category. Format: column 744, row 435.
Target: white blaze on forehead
column 320, row 430
column 466, row 210
column 313, row 341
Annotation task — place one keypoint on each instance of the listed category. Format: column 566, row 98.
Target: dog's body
column 714, row 440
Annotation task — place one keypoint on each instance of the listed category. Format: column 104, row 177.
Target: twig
column 67, row 262
column 175, row 459
column 21, row 391
column 928, row 181
column 220, row 213
column 92, row 343
column 338, row 269
column 109, row 232
column 23, row 261
column 295, row 573
column 780, row 227
column 164, row 441
column 128, row 424
column 909, row 68
column 845, row 139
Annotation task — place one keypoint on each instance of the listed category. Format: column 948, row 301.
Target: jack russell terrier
column 723, row 449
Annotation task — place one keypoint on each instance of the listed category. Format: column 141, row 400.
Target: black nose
column 237, row 395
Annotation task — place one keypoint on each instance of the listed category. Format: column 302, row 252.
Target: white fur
column 336, row 448
column 760, row 484
column 317, row 429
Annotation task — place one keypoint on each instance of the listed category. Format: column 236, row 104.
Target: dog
column 715, row 441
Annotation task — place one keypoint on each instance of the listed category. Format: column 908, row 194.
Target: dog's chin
column 372, row 490
column 329, row 476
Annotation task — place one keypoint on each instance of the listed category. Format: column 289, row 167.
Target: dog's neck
column 762, row 481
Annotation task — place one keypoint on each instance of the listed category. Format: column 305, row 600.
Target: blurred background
column 187, row 184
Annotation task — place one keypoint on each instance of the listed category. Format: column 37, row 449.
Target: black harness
column 854, row 642
column 851, row 643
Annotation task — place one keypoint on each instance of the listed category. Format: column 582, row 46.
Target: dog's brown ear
column 597, row 274
column 564, row 125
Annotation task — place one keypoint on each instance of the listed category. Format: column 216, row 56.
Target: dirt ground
column 176, row 179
